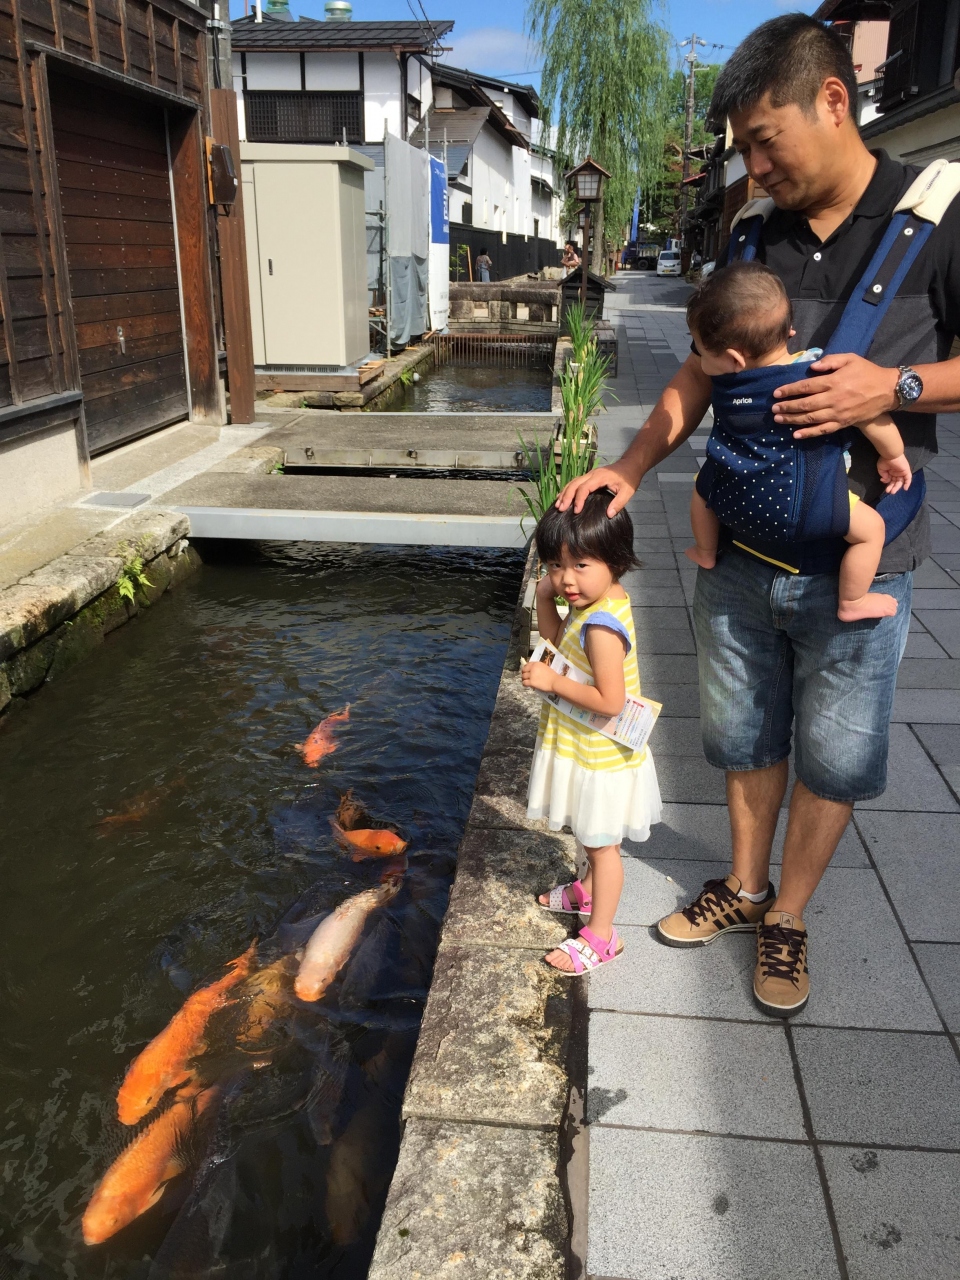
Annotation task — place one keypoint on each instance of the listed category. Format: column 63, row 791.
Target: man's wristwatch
column 909, row 386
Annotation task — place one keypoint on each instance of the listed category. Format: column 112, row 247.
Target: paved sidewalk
column 723, row 1145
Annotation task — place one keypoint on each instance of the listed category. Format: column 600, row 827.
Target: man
column 771, row 649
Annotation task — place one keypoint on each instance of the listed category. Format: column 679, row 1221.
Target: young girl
column 603, row 791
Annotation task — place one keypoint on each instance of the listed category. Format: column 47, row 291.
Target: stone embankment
column 55, row 616
column 482, row 1185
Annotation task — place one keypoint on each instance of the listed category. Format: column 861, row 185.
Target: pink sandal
column 587, row 952
column 570, row 899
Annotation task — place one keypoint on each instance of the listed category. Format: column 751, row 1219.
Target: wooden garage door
column 118, row 224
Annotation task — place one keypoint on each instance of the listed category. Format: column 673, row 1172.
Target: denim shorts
column 773, row 651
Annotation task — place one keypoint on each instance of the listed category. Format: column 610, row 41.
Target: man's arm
column 849, row 389
column 676, row 415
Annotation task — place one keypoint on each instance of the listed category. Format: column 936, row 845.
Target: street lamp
column 586, row 182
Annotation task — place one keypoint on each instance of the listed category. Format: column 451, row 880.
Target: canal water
column 463, row 387
column 155, row 818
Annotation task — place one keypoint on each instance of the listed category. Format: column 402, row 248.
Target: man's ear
column 834, row 100
column 737, row 362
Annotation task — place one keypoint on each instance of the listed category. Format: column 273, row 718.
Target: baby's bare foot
column 873, row 605
column 705, row 559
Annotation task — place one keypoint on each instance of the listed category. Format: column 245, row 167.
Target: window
column 466, row 214
column 303, row 117
column 413, row 107
column 897, row 73
column 536, row 228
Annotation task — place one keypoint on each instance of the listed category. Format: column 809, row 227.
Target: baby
column 740, row 319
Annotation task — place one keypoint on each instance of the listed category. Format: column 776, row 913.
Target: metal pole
column 386, row 244
column 688, row 127
column 586, row 255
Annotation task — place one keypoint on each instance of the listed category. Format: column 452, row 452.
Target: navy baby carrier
column 789, row 498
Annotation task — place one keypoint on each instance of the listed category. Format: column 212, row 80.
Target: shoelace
column 708, row 902
column 780, row 951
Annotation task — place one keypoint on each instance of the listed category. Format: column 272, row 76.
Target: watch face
column 910, row 386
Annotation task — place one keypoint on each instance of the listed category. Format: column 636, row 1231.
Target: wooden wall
column 123, row 44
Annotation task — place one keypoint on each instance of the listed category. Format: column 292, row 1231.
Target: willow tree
column 605, row 89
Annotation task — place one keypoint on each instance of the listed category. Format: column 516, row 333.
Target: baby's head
column 586, row 554
column 740, row 317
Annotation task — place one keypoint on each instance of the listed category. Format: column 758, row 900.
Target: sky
column 489, row 37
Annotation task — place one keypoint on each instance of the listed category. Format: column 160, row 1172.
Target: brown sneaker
column 716, row 909
column 781, row 985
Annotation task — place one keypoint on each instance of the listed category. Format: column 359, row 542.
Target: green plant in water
column 406, row 377
column 131, row 579
column 580, row 328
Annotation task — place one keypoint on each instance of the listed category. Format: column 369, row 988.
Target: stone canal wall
column 482, row 1187
column 55, row 616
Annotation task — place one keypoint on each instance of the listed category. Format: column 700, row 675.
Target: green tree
column 662, row 207
column 604, row 86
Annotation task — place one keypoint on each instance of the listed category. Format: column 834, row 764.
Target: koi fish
column 334, row 939
column 351, row 813
column 375, row 842
column 267, row 993
column 163, row 1063
column 320, row 743
column 136, row 809
column 139, row 1176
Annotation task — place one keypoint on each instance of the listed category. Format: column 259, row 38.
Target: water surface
column 479, row 388
column 189, row 715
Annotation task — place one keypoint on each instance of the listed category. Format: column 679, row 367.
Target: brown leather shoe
column 716, row 909
column 781, row 984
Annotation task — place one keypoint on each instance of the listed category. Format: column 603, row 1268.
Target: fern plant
column 131, row 579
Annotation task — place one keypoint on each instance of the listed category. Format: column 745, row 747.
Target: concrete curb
column 481, row 1186
column 55, row 616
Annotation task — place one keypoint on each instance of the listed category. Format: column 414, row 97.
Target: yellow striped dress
column 580, row 779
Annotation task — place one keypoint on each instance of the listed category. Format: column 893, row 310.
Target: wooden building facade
column 110, row 283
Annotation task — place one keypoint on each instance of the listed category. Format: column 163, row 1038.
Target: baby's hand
column 895, row 473
column 537, row 675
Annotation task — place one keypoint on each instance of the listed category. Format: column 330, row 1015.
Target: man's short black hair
column 592, row 533
column 789, row 58
column 744, row 307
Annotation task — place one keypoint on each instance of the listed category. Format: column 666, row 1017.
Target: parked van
column 668, row 263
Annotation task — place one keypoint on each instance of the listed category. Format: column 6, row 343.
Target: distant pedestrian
column 580, row 778
column 571, row 259
column 483, row 263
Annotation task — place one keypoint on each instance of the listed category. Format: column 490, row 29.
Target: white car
column 708, row 269
column 668, row 263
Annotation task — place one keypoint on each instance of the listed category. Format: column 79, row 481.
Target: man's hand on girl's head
column 577, row 491
column 846, row 390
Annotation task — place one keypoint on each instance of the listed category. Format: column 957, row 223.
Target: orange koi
column 137, row 808
column 139, row 1176
column 321, row 743
column 163, row 1063
column 375, row 842
column 351, row 813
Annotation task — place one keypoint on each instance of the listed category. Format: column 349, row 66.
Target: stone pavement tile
column 666, row 576
column 880, row 1086
column 944, row 537
column 653, row 889
column 898, row 1212
column 928, row 706
column 931, row 575
column 942, row 741
column 940, row 962
column 913, row 782
column 918, row 856
column 686, row 780
column 936, row 597
column 704, row 982
column 667, row 1206
column 692, row 1074
column 672, row 668
column 657, row 597
column 664, row 640
column 499, row 875
column 679, row 736
column 475, row 1202
column 923, row 645
column 861, row 971
column 928, row 673
column 677, row 699
column 656, row 618
column 648, row 545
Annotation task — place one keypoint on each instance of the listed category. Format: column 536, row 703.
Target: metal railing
column 510, row 350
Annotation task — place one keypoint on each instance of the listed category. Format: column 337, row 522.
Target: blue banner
column 439, row 203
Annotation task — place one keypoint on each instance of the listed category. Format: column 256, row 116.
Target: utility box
column 306, row 255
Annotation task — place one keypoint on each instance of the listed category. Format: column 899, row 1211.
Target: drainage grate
column 506, row 349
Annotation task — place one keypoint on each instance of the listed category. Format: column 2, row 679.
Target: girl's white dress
column 580, row 779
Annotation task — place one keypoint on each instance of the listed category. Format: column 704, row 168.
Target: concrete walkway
column 724, row 1146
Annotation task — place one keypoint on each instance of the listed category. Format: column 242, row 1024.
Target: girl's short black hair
column 592, row 533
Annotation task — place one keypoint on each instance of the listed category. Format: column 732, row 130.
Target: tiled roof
column 525, row 94
column 308, row 33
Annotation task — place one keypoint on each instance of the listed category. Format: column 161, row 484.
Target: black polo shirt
column 918, row 328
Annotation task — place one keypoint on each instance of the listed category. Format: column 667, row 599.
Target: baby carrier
column 789, row 498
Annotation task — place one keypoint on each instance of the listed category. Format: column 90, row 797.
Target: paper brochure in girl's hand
column 631, row 728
